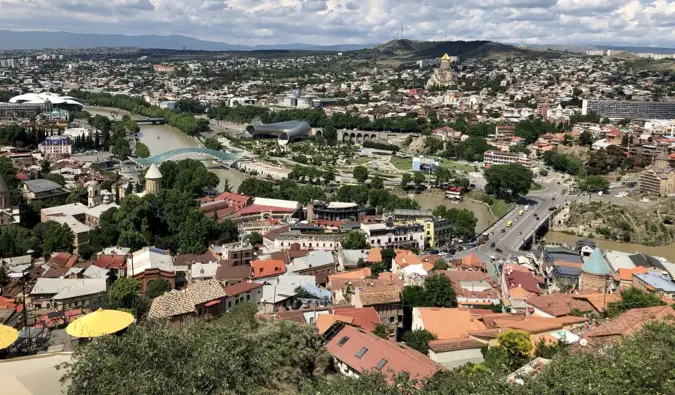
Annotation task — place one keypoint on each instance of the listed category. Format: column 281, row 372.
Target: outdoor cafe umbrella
column 8, row 335
column 99, row 323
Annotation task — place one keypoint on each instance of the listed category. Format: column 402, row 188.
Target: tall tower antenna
column 401, row 30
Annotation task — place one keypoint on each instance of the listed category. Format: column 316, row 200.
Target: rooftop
column 363, row 351
column 596, row 264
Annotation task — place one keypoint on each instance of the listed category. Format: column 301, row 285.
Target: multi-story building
column 437, row 232
column 505, row 131
column 659, row 180
column 335, row 211
column 24, row 110
column 505, row 158
column 629, row 109
column 56, row 146
column 309, row 240
column 383, row 235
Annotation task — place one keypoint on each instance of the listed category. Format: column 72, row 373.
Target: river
column 667, row 251
column 162, row 138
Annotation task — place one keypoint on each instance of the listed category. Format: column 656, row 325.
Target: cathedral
column 443, row 75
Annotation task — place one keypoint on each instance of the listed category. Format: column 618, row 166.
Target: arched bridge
column 221, row 156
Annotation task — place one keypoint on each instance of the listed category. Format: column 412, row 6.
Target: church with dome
column 443, row 75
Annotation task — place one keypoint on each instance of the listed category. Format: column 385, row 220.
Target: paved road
column 509, row 241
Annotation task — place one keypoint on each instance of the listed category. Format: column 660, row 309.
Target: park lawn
column 363, row 161
column 455, row 165
column 536, row 187
column 404, row 164
column 499, row 208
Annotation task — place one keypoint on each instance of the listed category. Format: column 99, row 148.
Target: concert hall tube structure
column 285, row 132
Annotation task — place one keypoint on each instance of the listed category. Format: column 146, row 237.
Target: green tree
column 406, row 179
column 124, row 292
column 633, row 298
column 77, row 195
column 516, row 346
column 439, row 291
column 121, row 148
column 194, row 233
column 441, row 264
column 4, row 278
column 376, row 183
column 360, row 173
column 388, row 256
column 595, row 184
column 508, row 181
column 418, row 340
column 442, row 174
column 46, row 166
column 355, row 240
column 382, row 331
column 157, row 287
column 142, row 150
column 14, row 240
column 235, row 354
column 132, row 239
column 418, row 178
column 255, row 238
column 53, row 237
column 213, row 143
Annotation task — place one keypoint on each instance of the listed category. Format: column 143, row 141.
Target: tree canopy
column 234, row 355
column 508, row 181
column 355, row 241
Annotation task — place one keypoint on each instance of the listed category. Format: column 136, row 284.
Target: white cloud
column 628, row 22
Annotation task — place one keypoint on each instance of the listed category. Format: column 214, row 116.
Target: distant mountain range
column 583, row 48
column 13, row 40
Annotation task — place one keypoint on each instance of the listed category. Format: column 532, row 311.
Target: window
column 361, row 352
column 343, row 341
column 248, row 297
column 381, row 364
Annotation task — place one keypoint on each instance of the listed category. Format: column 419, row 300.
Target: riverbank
column 429, row 201
column 630, row 223
column 667, row 251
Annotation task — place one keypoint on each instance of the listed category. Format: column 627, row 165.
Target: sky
column 328, row 22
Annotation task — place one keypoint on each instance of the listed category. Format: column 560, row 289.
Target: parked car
column 499, row 250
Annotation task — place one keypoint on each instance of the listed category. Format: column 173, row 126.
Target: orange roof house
column 470, row 262
column 626, row 275
column 446, row 323
column 268, row 268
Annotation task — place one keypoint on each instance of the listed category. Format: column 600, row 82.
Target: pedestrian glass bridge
column 220, row 156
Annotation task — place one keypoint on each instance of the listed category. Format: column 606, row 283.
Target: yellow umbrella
column 100, row 323
column 8, row 335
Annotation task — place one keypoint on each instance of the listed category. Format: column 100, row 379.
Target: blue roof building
column 655, row 283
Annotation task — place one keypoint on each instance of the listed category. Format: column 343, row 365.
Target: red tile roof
column 394, row 358
column 526, row 281
column 272, row 267
column 258, row 208
column 62, row 259
column 240, row 288
column 111, row 262
column 559, row 305
column 630, row 321
column 365, row 317
column 235, row 197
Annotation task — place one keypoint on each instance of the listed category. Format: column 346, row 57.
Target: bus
column 508, row 224
column 521, row 212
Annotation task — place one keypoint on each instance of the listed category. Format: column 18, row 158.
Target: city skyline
column 332, row 22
